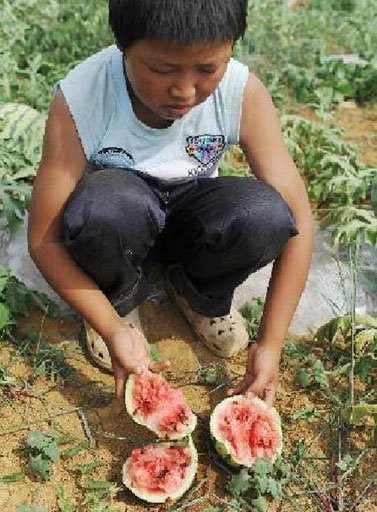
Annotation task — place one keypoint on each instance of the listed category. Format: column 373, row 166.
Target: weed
column 12, row 478
column 335, row 177
column 154, row 354
column 30, row 508
column 5, row 379
column 65, row 503
column 252, row 312
column 42, row 451
column 332, row 80
column 17, row 299
column 97, row 493
column 46, row 360
column 301, row 37
column 41, row 42
column 85, row 469
column 75, row 450
column 21, row 134
column 252, row 487
column 50, row 362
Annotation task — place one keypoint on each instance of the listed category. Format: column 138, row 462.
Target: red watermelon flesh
column 251, row 432
column 159, row 468
column 154, row 398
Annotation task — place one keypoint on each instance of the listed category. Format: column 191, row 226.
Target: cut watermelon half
column 246, row 429
column 160, row 472
column 153, row 403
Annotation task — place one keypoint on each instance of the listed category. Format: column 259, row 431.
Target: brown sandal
column 225, row 335
column 97, row 348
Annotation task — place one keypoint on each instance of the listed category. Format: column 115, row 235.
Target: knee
column 272, row 212
column 264, row 209
column 91, row 205
column 110, row 204
column 267, row 223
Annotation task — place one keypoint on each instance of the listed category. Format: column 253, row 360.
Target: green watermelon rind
column 224, row 448
column 154, row 497
column 140, row 421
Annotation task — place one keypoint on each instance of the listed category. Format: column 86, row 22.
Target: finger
column 269, row 396
column 120, row 381
column 140, row 368
column 257, row 386
column 158, row 366
column 239, row 388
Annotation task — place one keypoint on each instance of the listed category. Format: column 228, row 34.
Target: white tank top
column 112, row 136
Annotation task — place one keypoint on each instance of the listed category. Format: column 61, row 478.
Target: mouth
column 178, row 110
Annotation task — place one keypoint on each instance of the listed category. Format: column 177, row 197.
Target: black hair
column 179, row 21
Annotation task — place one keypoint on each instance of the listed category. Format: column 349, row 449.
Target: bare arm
column 262, row 142
column 63, row 163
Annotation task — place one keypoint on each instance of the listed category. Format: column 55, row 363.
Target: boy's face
column 168, row 80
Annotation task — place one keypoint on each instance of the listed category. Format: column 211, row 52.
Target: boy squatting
column 129, row 177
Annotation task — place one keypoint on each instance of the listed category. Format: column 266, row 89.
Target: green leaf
column 303, row 378
column 44, row 443
column 346, row 463
column 102, row 485
column 13, row 477
column 239, row 483
column 75, row 450
column 30, row 508
column 84, row 469
column 319, row 374
column 260, row 504
column 374, row 196
column 5, row 316
column 366, row 339
column 40, row 467
column 261, row 483
column 364, row 368
column 64, row 501
column 37, row 439
column 51, row 451
column 154, row 354
column 211, row 375
column 307, row 413
column 274, row 488
column 282, row 469
column 252, row 312
column 262, row 467
column 4, row 278
column 354, row 415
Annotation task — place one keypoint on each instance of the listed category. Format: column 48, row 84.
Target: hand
column 262, row 373
column 129, row 352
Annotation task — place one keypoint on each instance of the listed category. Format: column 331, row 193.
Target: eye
column 206, row 71
column 160, row 71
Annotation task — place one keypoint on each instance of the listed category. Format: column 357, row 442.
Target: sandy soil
column 44, row 406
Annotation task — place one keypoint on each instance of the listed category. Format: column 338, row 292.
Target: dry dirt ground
column 83, row 408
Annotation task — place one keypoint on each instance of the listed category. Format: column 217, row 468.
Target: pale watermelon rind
column 163, row 497
column 140, row 421
column 223, row 447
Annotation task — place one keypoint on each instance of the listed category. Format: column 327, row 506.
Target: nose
column 183, row 90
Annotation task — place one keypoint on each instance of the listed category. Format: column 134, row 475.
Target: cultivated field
column 63, row 437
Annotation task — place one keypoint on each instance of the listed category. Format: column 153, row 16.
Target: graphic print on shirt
column 113, row 157
column 205, row 148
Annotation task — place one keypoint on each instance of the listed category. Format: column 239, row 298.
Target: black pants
column 216, row 231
